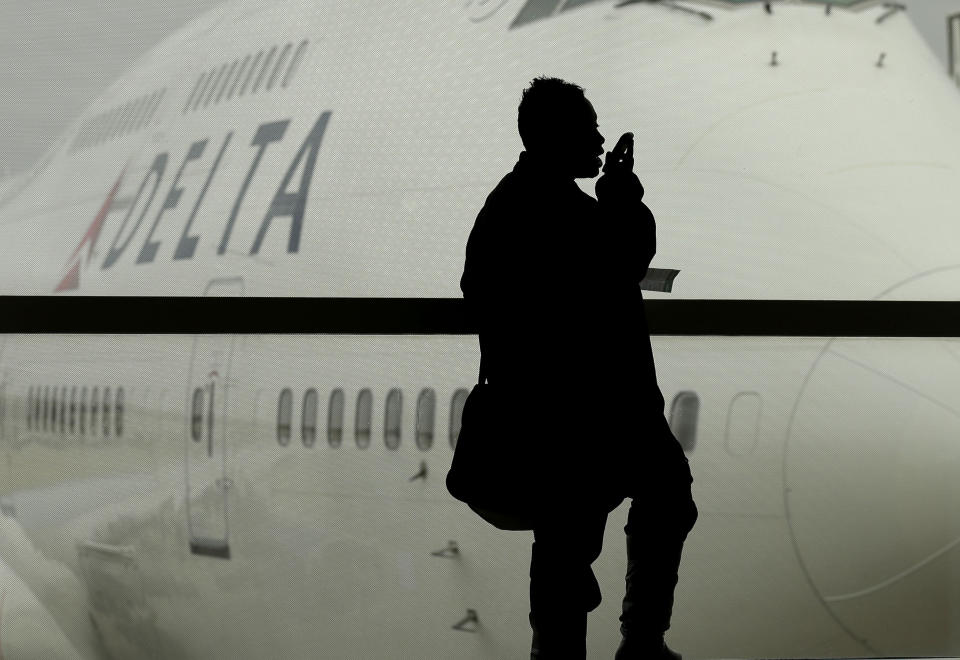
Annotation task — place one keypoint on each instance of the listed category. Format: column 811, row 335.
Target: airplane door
column 953, row 45
column 208, row 387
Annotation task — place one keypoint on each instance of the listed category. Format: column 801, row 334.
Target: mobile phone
column 622, row 154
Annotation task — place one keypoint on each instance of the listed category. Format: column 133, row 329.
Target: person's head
column 558, row 126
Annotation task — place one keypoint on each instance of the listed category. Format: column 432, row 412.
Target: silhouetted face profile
column 575, row 148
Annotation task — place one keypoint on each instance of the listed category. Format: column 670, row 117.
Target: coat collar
column 531, row 168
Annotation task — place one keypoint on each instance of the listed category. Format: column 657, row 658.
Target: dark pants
column 563, row 587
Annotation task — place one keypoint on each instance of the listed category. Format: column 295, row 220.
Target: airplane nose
column 870, row 469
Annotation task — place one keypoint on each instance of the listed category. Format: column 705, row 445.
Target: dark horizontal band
column 447, row 316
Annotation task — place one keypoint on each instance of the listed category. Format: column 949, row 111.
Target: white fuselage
column 824, row 469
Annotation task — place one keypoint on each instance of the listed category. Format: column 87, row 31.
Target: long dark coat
column 552, row 281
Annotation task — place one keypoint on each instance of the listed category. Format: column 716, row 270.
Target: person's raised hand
column 618, row 179
column 621, row 158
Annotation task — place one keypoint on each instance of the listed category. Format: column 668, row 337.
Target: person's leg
column 662, row 513
column 563, row 588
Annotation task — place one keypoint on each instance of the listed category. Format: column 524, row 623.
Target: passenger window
column 129, row 116
column 29, row 409
column 118, row 412
column 280, row 62
column 684, row 412
column 284, row 413
column 295, row 63
column 84, row 140
column 117, row 122
column 83, row 410
column 139, row 114
column 155, row 103
column 36, row 409
column 115, row 117
column 456, row 414
column 53, row 410
column 226, row 81
column 125, row 117
column 426, row 408
column 63, row 410
column 207, row 80
column 73, row 409
column 106, row 412
column 953, row 47
column 213, row 86
column 94, row 405
column 196, row 88
column 364, row 417
column 263, row 70
column 391, row 418
column 335, row 418
column 118, row 119
column 253, row 67
column 196, row 415
column 107, row 125
column 308, row 427
column 101, row 129
column 47, row 408
column 236, row 81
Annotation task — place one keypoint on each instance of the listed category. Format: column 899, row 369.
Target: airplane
column 283, row 496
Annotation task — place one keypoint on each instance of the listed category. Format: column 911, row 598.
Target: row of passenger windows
column 212, row 84
column 363, row 417
column 684, row 413
column 64, row 410
column 118, row 121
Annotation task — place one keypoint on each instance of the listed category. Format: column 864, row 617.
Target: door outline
column 953, row 41
column 207, row 484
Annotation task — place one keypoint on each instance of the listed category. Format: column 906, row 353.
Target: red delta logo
column 71, row 279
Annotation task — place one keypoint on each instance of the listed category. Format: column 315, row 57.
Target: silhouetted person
column 552, row 279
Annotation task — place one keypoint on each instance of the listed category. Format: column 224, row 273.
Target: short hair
column 542, row 108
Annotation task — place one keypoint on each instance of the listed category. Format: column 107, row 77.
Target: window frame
column 363, row 428
column 423, row 438
column 335, row 422
column 72, row 425
column 281, row 60
column 263, row 69
column 393, row 419
column 106, row 411
column 246, row 81
column 308, row 423
column 284, row 416
column 683, row 428
column 295, row 62
column 456, row 415
column 83, row 410
column 94, row 410
column 118, row 406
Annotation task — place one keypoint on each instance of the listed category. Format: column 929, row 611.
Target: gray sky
column 58, row 56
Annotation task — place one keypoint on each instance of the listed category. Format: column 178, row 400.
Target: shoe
column 634, row 650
